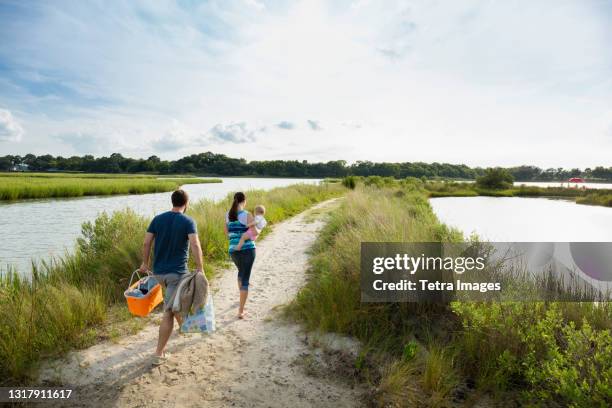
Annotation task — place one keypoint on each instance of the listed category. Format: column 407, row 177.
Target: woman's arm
column 225, row 230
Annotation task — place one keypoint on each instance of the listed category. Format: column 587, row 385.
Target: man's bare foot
column 241, row 314
column 160, row 360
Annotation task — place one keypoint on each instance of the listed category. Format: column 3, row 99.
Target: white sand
column 260, row 361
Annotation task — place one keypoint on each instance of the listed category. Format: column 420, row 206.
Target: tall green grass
column 77, row 174
column 61, row 305
column 70, row 185
column 600, row 197
column 29, row 174
column 603, row 199
column 449, row 354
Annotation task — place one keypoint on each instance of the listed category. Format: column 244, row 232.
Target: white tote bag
column 202, row 321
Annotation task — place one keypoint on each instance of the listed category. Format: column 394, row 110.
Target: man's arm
column 146, row 251
column 196, row 251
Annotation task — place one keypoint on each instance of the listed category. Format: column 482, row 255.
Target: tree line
column 213, row 164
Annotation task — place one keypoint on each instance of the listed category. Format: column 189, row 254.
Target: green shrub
column 495, row 179
column 380, row 182
column 349, row 182
column 535, row 348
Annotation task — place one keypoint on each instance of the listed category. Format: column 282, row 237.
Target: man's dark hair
column 180, row 198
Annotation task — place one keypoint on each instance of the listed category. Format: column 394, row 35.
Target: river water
column 40, row 229
column 597, row 186
column 565, row 184
column 518, row 219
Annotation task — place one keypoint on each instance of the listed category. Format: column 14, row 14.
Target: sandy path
column 254, row 362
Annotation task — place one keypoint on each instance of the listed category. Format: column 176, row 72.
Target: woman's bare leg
column 243, row 298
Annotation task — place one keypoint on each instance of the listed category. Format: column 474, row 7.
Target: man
column 173, row 233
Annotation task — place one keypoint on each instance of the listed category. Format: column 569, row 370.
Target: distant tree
column 495, row 179
column 29, row 159
column 525, row 173
column 41, row 163
column 164, row 167
column 209, row 163
column 602, row 172
column 6, row 163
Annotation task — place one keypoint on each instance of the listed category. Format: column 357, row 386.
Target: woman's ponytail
column 239, row 197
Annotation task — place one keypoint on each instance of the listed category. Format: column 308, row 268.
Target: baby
column 255, row 226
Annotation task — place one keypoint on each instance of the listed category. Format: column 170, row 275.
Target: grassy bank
column 15, row 186
column 416, row 354
column 68, row 299
column 77, row 175
column 454, row 189
column 603, row 199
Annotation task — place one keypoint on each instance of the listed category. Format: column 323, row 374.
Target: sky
column 479, row 82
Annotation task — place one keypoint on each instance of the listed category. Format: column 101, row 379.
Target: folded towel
column 191, row 293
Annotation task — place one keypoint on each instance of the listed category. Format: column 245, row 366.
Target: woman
column 236, row 221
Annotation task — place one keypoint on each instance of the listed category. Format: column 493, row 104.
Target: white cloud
column 286, row 125
column 314, row 124
column 91, row 143
column 256, row 4
column 10, row 129
column 351, row 124
column 176, row 138
column 238, row 132
column 457, row 79
column 84, row 143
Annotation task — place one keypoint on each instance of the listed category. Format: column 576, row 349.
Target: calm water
column 607, row 186
column 517, row 219
column 43, row 228
column 558, row 184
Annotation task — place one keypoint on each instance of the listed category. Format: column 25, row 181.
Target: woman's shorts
column 244, row 262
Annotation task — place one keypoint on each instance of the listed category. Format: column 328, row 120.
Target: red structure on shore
column 576, row 181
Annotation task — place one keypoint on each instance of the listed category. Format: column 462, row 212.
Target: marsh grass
column 516, row 352
column 438, row 189
column 15, row 186
column 604, row 199
column 72, row 301
column 74, row 175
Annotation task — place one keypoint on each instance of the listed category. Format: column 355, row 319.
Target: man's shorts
column 169, row 282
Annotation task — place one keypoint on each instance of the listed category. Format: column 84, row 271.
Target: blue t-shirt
column 171, row 230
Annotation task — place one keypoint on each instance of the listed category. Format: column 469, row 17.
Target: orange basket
column 142, row 305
